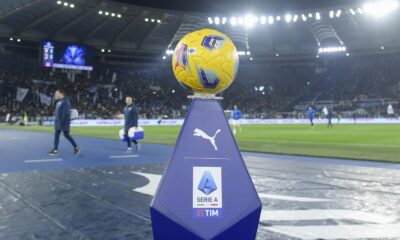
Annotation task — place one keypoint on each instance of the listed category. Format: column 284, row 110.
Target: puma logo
column 200, row 133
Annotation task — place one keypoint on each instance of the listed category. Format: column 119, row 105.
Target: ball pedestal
column 206, row 191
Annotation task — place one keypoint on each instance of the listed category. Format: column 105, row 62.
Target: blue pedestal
column 206, row 191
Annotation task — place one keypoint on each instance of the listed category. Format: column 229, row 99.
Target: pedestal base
column 206, row 191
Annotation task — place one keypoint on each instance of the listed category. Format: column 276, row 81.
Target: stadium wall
column 172, row 122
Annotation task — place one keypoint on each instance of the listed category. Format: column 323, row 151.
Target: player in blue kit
column 236, row 115
column 311, row 115
column 330, row 116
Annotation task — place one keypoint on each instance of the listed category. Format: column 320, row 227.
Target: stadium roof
column 142, row 29
column 234, row 6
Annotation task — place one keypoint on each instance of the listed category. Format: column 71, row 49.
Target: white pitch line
column 323, row 214
column 18, row 138
column 292, row 198
column 206, row 158
column 364, row 231
column 151, row 187
column 124, row 156
column 43, row 160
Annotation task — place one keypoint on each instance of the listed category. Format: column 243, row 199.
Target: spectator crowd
column 273, row 89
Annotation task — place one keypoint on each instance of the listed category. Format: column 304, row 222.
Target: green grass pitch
column 380, row 142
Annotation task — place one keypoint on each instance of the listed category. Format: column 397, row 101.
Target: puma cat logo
column 200, row 133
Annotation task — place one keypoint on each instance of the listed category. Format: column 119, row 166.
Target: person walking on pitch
column 330, row 116
column 62, row 122
column 311, row 114
column 236, row 115
column 131, row 120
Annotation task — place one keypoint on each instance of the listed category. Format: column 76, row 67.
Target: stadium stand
column 346, row 85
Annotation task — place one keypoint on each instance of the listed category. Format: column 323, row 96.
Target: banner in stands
column 44, row 99
column 170, row 122
column 118, row 122
column 21, row 94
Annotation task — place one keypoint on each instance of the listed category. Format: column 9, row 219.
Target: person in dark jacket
column 62, row 122
column 131, row 120
column 330, row 116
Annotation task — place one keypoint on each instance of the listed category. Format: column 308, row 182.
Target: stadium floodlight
column 271, row 20
column 338, row 13
column 59, row 2
column 153, row 20
column 11, row 39
column 303, row 17
column 240, row 21
column 347, row 54
column 106, row 13
column 295, row 17
column 310, row 15
column 112, row 14
column 100, row 12
column 317, row 16
column 277, row 55
column 248, row 53
column 261, row 88
column 173, row 91
column 360, row 11
column 158, row 20
column 210, row 21
column 278, row 18
column 250, row 20
column 72, row 5
column 224, row 19
column 288, row 18
column 352, row 11
column 256, row 88
column 332, row 49
column 119, row 16
column 331, row 14
column 109, row 51
column 65, row 4
column 381, row 8
column 146, row 19
column 251, row 59
column 164, row 57
column 263, row 20
column 382, row 48
column 233, row 21
column 18, row 40
column 317, row 56
column 103, row 50
column 216, row 20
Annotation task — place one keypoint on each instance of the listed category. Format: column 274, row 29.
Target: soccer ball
column 205, row 61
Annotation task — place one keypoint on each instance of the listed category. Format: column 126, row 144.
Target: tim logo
column 207, row 213
column 213, row 42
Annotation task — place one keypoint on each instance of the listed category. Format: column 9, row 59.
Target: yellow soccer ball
column 205, row 61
